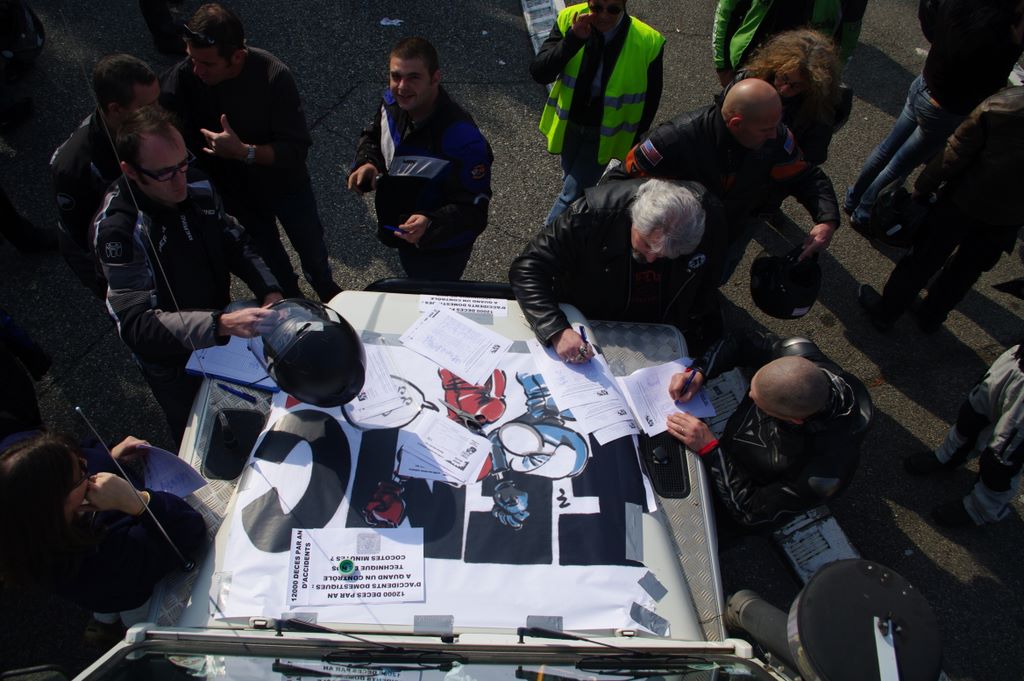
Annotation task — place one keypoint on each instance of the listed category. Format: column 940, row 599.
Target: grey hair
column 674, row 211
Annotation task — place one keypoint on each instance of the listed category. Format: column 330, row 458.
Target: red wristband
column 707, row 448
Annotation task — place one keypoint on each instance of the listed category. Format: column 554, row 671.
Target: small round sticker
column 346, row 567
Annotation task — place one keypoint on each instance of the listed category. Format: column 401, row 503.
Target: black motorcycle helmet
column 784, row 287
column 313, row 353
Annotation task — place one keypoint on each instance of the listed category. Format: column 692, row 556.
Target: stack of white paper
column 646, row 391
column 233, row 362
column 436, row 448
column 377, row 404
column 467, row 349
column 587, row 390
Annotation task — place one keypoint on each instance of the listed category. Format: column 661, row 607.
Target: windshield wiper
column 641, row 664
column 629, row 661
column 441, row 660
column 383, row 652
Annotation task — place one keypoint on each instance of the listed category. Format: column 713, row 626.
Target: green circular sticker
column 346, row 567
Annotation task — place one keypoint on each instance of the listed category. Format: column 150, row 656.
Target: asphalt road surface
column 337, row 50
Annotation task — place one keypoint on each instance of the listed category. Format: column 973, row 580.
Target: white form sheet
column 379, row 397
column 467, row 349
column 587, row 390
column 234, row 362
column 646, row 391
column 435, row 447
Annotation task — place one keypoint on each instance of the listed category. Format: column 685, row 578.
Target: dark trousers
column 160, row 23
column 435, row 265
column 19, row 410
column 174, row 390
column 297, row 211
column 977, row 245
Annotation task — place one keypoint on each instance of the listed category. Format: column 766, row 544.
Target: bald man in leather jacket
column 794, row 440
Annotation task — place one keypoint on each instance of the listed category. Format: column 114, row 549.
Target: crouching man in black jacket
column 639, row 250
column 792, row 443
column 167, row 249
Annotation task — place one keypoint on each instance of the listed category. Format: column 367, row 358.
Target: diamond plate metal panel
column 629, row 347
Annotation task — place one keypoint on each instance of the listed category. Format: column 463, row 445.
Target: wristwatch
column 250, row 154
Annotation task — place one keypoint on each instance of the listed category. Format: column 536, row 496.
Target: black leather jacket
column 698, row 146
column 765, row 469
column 585, row 258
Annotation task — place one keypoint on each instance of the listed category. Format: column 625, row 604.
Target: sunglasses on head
column 167, row 174
column 613, row 10
column 197, row 37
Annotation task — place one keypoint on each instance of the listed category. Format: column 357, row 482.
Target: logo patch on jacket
column 114, row 252
column 650, row 153
column 478, row 172
column 697, row 261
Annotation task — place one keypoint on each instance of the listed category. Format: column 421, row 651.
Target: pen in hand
column 688, row 381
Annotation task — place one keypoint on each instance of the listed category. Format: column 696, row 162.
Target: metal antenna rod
column 186, row 563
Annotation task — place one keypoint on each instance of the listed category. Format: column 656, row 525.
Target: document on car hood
column 437, row 448
column 377, row 404
column 588, row 391
column 646, row 391
column 467, row 349
column 355, row 566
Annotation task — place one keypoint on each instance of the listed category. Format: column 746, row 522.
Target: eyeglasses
column 794, row 82
column 167, row 174
column 613, row 10
column 85, row 473
column 197, row 37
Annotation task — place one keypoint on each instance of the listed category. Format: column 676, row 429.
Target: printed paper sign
column 355, row 566
column 497, row 307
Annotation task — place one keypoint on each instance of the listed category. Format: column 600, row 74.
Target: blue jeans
column 580, row 168
column 920, row 131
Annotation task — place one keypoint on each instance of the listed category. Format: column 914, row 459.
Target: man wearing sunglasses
column 167, row 250
column 241, row 113
column 607, row 71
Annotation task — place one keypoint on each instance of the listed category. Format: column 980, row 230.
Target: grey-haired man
column 644, row 250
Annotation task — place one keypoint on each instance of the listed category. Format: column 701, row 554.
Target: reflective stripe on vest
column 624, row 96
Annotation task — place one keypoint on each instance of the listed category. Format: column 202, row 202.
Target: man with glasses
column 242, row 114
column 168, row 249
column 84, row 166
column 607, row 71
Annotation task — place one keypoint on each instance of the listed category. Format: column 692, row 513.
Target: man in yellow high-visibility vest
column 606, row 67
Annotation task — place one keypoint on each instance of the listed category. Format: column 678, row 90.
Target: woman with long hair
column 804, row 67
column 70, row 524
